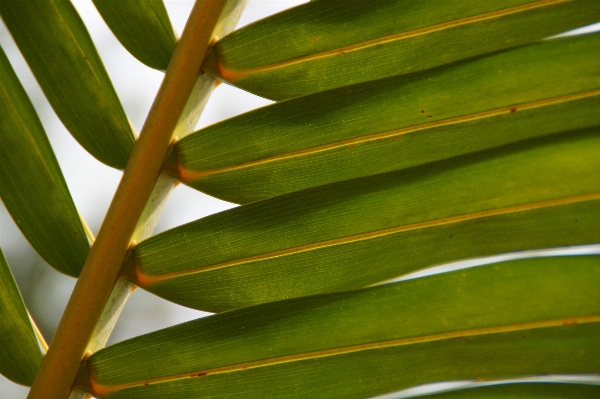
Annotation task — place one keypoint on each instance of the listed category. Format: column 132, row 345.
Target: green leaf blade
column 62, row 56
column 327, row 44
column 20, row 355
column 459, row 325
column 32, row 186
column 359, row 232
column 142, row 27
column 394, row 124
column 516, row 390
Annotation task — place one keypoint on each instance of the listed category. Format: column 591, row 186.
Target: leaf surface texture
column 32, row 186
column 358, row 232
column 395, row 123
column 541, row 390
column 466, row 324
column 20, row 355
column 60, row 52
column 325, row 44
column 143, row 27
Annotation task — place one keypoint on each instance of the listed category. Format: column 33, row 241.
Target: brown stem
column 100, row 272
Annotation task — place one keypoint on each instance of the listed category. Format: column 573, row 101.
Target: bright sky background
column 92, row 184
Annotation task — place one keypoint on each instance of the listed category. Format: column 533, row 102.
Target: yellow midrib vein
column 141, row 279
column 98, row 389
column 186, row 175
column 232, row 75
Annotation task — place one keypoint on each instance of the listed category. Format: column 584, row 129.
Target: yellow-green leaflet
column 32, row 186
column 540, row 193
column 20, row 354
column 332, row 43
column 527, row 317
column 395, row 123
column 143, row 28
column 514, row 390
column 62, row 56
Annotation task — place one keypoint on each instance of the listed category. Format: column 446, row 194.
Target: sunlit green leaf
column 541, row 390
column 32, row 186
column 333, row 43
column 143, row 27
column 20, row 354
column 393, row 124
column 535, row 194
column 61, row 55
column 527, row 317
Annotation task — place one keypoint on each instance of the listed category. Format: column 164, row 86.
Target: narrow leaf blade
column 62, row 56
column 20, row 355
column 541, row 390
column 359, row 232
column 32, row 186
column 143, row 27
column 393, row 124
column 459, row 325
column 326, row 44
